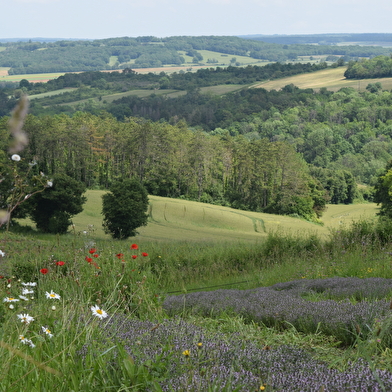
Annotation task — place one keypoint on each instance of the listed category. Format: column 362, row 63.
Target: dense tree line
column 144, row 52
column 345, row 130
column 377, row 67
column 174, row 161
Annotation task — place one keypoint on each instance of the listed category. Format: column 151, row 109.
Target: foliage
column 52, row 210
column 124, row 208
column 383, row 191
column 18, row 181
column 142, row 52
column 376, row 67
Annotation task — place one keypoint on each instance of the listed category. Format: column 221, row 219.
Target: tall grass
column 82, row 355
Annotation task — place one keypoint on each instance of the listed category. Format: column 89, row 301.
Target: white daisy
column 101, row 314
column 47, row 331
column 29, row 284
column 2, row 254
column 15, row 157
column 25, row 318
column 27, row 291
column 10, row 299
column 23, row 297
column 24, row 340
column 52, row 295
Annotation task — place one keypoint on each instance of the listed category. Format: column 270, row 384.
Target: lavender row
column 227, row 363
column 283, row 303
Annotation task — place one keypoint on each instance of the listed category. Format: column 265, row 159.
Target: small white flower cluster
column 25, row 318
column 26, row 341
column 46, row 330
column 2, row 254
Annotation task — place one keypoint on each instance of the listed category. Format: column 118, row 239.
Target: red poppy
column 134, row 246
column 44, row 271
column 134, row 256
column 92, row 250
column 96, row 255
column 144, row 254
column 88, row 259
column 119, row 255
column 60, row 263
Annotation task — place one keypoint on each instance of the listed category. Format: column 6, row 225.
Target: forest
column 377, row 67
column 145, row 52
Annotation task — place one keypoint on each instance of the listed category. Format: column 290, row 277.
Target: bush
column 124, row 208
column 52, row 209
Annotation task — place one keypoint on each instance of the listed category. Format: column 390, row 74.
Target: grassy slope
column 333, row 79
column 188, row 220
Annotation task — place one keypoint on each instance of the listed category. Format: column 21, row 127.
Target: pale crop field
column 44, row 77
column 333, row 79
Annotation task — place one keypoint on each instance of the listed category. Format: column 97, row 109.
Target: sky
column 96, row 19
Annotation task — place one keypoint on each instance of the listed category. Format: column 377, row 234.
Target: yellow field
column 333, row 79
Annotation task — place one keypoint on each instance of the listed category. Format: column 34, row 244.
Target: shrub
column 52, row 209
column 124, row 208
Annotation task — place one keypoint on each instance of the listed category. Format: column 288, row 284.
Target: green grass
column 224, row 59
column 192, row 221
column 52, row 93
column 220, row 90
column 191, row 247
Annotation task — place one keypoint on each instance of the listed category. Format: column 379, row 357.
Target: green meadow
column 84, row 312
column 171, row 219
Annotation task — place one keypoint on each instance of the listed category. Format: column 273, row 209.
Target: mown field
column 332, row 79
column 171, row 219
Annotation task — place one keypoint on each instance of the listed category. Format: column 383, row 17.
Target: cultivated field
column 333, row 79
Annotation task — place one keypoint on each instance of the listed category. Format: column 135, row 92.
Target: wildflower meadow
column 81, row 314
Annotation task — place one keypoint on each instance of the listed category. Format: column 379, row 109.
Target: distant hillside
column 365, row 39
column 29, row 57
